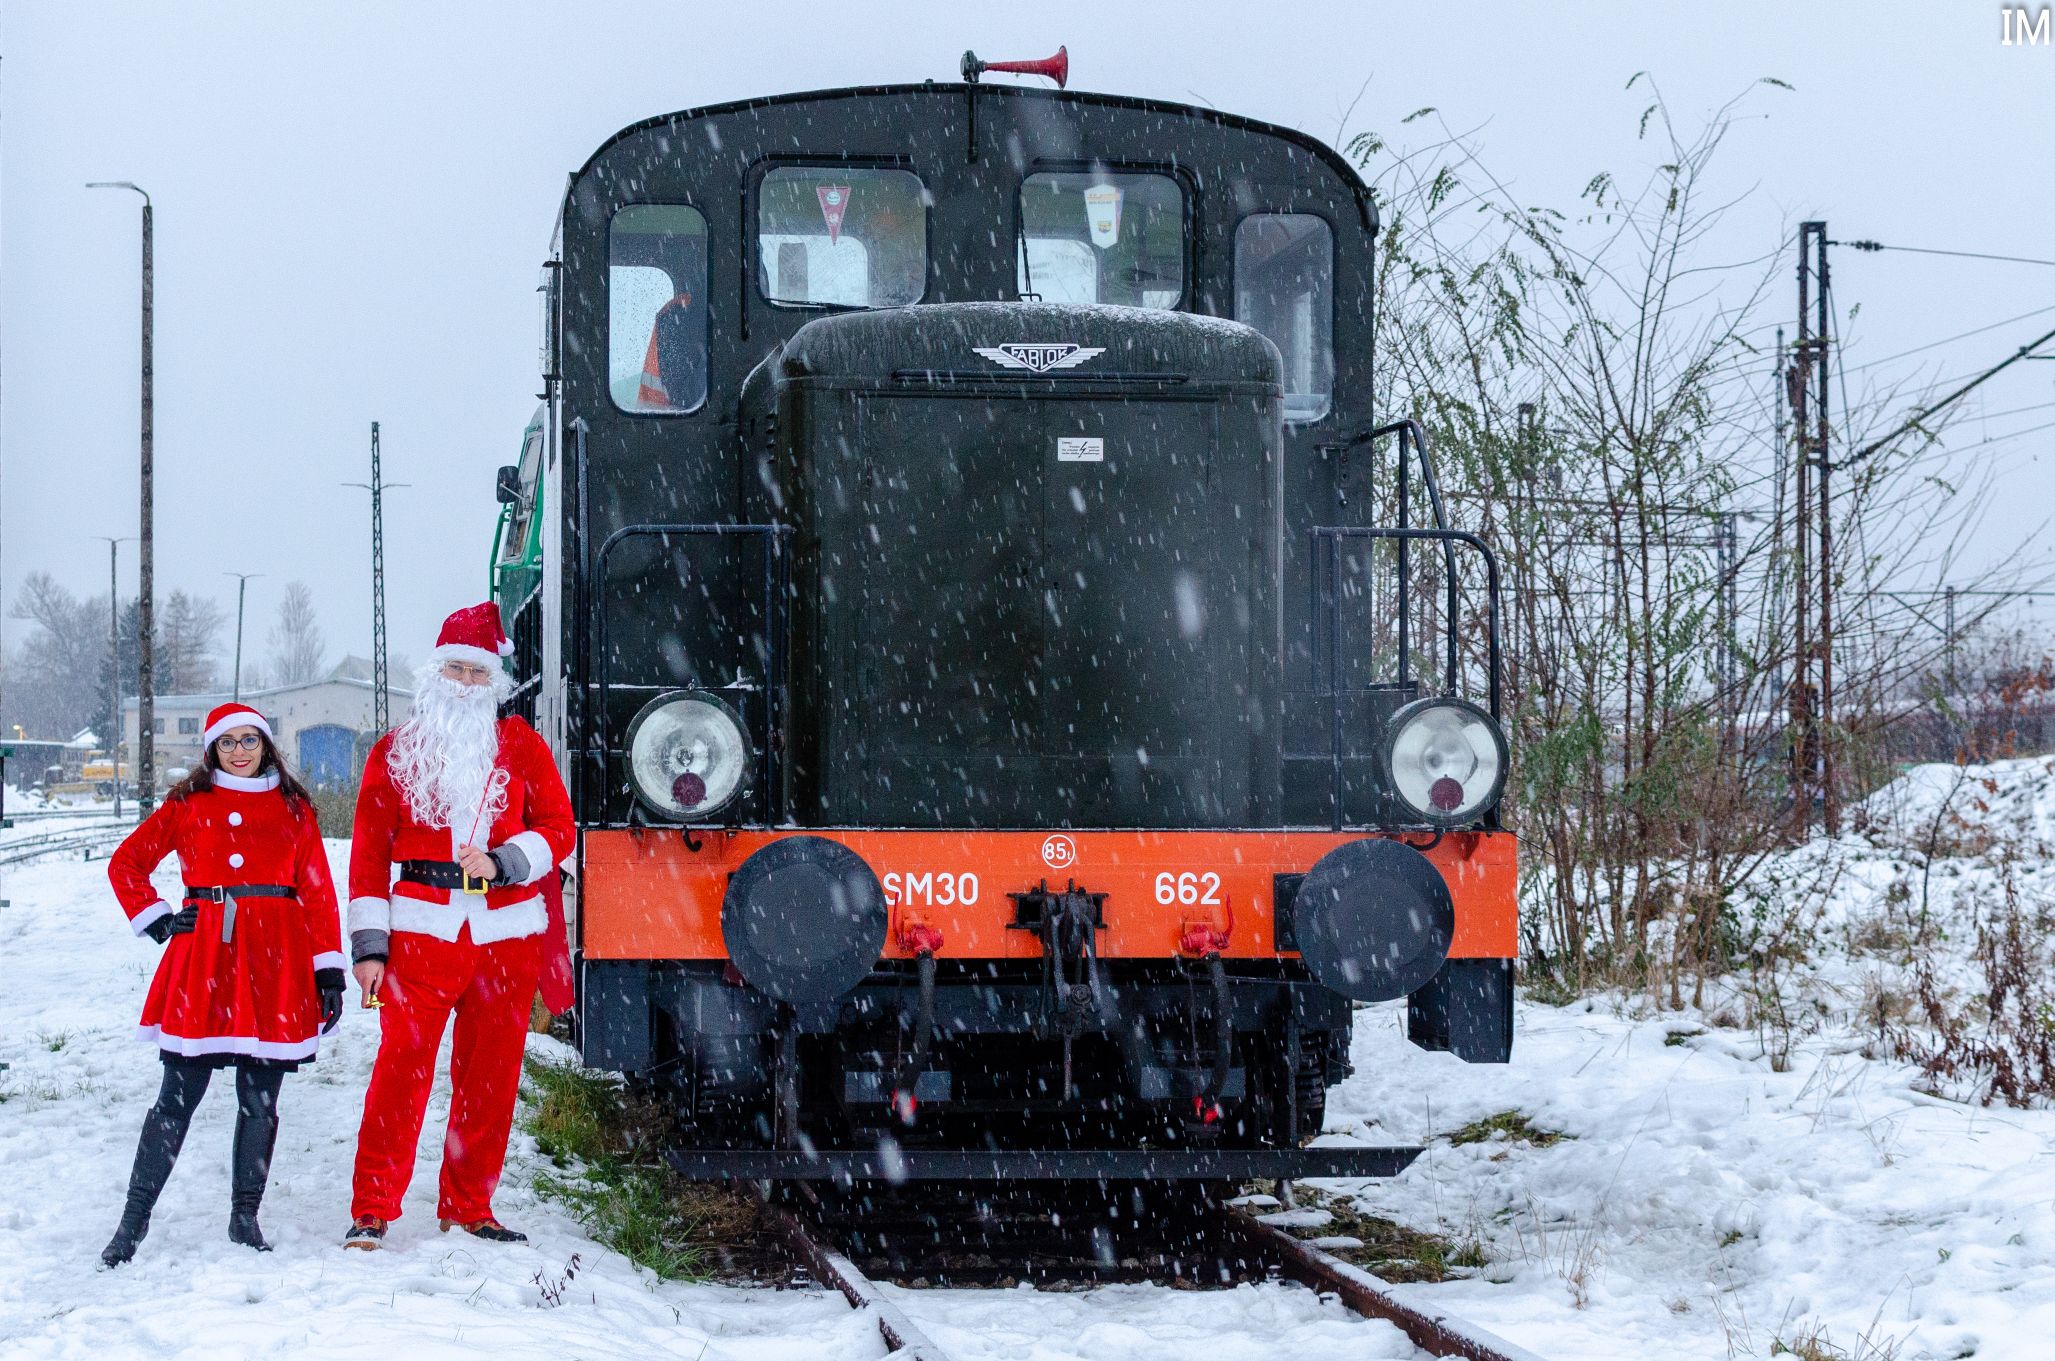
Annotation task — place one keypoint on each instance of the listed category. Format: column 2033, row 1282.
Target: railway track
column 85, row 840
column 1062, row 1236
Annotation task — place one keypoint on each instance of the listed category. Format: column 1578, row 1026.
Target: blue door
column 325, row 752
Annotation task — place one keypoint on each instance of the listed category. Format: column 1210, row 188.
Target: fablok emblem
column 1039, row 358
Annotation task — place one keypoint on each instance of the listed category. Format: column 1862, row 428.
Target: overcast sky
column 353, row 199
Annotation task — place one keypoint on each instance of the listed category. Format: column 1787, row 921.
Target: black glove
column 329, row 984
column 177, row 924
column 331, row 1009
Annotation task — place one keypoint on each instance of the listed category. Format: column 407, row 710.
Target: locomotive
column 1017, row 700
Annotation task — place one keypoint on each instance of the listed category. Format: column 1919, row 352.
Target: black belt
column 200, row 893
column 227, row 895
column 445, row 874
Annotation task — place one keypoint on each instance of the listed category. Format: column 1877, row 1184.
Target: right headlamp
column 1447, row 760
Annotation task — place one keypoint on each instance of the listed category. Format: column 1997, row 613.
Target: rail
column 87, row 840
column 830, row 1267
column 1430, row 1330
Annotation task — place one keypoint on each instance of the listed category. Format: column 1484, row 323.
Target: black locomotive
column 1005, row 733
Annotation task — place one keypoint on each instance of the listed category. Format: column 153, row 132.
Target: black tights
column 164, row 1133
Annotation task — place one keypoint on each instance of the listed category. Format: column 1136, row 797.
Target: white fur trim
column 464, row 652
column 370, row 914
column 246, row 784
column 446, row 921
column 141, row 921
column 539, row 856
column 247, row 1045
column 242, row 718
column 330, row 959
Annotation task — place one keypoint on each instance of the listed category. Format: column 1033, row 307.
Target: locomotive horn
column 1057, row 68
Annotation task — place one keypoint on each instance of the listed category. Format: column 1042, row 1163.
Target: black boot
column 256, row 1131
column 164, row 1133
column 122, row 1246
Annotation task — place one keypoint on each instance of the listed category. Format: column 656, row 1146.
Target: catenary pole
column 242, row 586
column 146, row 691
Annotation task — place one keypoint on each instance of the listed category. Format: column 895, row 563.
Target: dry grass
column 604, row 1142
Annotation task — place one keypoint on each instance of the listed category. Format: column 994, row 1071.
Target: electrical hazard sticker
column 1080, row 449
column 834, row 204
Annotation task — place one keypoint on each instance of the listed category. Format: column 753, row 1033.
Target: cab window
column 1284, row 287
column 841, row 236
column 520, row 515
column 656, row 308
column 1097, row 236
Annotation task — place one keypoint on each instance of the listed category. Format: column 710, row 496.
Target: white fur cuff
column 141, row 921
column 541, row 860
column 370, row 914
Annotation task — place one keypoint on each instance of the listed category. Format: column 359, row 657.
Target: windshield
column 1097, row 236
column 841, row 236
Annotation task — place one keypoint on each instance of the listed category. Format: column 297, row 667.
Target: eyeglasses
column 247, row 743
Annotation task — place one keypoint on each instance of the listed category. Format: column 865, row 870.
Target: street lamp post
column 242, row 585
column 114, row 665
column 146, row 693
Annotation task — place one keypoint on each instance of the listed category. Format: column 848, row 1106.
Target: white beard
column 442, row 757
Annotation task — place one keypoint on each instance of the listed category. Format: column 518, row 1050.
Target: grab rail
column 776, row 567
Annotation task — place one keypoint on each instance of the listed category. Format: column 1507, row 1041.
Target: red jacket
column 537, row 819
column 254, row 993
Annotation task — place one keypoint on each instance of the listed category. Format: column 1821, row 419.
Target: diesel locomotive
column 1016, row 696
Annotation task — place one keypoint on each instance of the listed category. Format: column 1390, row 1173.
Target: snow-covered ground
column 1724, row 1186
column 71, row 982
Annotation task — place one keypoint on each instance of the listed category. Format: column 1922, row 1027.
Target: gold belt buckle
column 474, row 887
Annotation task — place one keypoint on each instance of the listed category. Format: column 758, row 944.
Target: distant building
column 324, row 726
column 34, row 762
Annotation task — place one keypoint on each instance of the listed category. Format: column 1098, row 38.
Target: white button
column 235, row 862
column 235, row 819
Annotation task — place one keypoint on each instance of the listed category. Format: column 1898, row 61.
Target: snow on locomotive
column 1015, row 698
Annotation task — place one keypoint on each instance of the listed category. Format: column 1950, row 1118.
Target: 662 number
column 1189, row 888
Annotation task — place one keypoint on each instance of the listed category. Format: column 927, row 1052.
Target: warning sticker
column 1102, row 213
column 1080, row 449
column 834, row 203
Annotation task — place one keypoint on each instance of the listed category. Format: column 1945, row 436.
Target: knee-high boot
column 164, row 1133
column 256, row 1132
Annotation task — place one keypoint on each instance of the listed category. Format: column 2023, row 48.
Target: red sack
column 559, row 989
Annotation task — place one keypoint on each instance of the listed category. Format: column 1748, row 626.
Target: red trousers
column 490, row 988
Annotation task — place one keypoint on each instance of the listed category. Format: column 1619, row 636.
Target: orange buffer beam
column 646, row 895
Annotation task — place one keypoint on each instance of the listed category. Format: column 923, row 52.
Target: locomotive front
column 978, row 780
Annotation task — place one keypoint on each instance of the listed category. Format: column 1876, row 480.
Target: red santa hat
column 473, row 634
column 229, row 716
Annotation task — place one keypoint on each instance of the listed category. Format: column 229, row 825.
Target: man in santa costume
column 460, row 819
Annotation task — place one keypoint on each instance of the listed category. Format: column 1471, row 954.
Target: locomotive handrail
column 775, row 566
column 1449, row 538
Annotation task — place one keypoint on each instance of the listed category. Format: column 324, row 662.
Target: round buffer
column 1374, row 920
column 804, row 919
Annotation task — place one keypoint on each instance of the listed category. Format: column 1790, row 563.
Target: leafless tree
column 1602, row 401
column 297, row 648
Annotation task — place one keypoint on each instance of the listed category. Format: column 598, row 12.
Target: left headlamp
column 688, row 755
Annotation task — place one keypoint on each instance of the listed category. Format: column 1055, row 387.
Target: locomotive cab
column 1015, row 705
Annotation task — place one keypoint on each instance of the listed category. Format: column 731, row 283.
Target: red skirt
column 251, row 997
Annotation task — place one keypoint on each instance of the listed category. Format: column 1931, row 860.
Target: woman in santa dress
column 252, row 973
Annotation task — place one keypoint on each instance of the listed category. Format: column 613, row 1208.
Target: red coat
column 254, row 994
column 537, row 819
